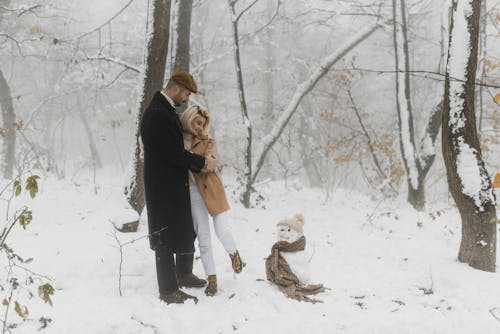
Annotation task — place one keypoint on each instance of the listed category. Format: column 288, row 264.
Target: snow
column 470, row 175
column 390, row 268
column 457, row 63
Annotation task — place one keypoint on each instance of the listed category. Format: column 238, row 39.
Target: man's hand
column 211, row 164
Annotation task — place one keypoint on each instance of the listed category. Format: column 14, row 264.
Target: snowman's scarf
column 278, row 271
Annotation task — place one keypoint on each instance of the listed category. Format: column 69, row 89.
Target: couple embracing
column 182, row 190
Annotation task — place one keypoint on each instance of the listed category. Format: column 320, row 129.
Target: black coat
column 166, row 165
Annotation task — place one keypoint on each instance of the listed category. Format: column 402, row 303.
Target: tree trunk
column 152, row 80
column 182, row 45
column 8, row 130
column 306, row 151
column 247, row 174
column 416, row 190
column 468, row 179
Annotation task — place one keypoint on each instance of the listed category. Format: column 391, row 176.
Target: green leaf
column 17, row 188
column 19, row 310
column 32, row 185
column 45, row 291
column 25, row 218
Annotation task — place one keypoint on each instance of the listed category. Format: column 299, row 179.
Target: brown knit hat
column 296, row 223
column 184, row 78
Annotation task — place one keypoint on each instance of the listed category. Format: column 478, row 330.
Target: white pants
column 202, row 227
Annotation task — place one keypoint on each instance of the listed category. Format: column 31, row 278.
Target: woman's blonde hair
column 190, row 114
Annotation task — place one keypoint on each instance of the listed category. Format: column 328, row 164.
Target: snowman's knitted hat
column 296, row 223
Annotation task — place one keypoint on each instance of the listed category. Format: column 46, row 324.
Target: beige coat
column 209, row 184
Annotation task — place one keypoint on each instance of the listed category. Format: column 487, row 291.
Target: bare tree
column 247, row 174
column 468, row 179
column 152, row 80
column 417, row 163
column 8, row 129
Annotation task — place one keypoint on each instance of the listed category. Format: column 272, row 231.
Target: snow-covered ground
column 390, row 269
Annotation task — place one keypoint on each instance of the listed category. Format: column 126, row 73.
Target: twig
column 21, row 11
column 121, row 245
column 270, row 20
column 121, row 262
column 108, row 21
column 34, row 273
column 375, row 209
column 244, row 10
column 6, row 231
column 145, row 324
column 5, row 327
column 14, row 40
column 492, row 312
column 369, row 141
column 354, row 68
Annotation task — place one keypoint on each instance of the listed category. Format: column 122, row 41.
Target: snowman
column 288, row 265
column 291, row 231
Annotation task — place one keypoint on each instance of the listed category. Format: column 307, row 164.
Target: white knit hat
column 296, row 223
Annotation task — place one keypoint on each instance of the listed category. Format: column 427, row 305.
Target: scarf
column 278, row 271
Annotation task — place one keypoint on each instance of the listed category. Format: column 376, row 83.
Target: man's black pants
column 167, row 269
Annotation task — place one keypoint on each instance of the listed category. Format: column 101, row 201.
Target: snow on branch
column 115, row 61
column 303, row 89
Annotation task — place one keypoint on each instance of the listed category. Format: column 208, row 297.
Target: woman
column 207, row 197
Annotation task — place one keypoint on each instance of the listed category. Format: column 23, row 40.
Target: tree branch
column 414, row 72
column 108, row 21
column 368, row 139
column 244, row 10
column 115, row 61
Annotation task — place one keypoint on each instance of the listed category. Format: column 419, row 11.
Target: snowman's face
column 288, row 234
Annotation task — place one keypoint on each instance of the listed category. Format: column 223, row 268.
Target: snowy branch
column 115, row 61
column 302, row 90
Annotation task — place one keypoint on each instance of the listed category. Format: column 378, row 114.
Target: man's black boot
column 177, row 297
column 190, row 281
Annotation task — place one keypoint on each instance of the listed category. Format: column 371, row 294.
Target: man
column 166, row 165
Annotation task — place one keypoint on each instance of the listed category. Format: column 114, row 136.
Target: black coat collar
column 162, row 99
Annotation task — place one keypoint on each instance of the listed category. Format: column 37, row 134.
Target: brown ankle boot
column 236, row 262
column 211, row 289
